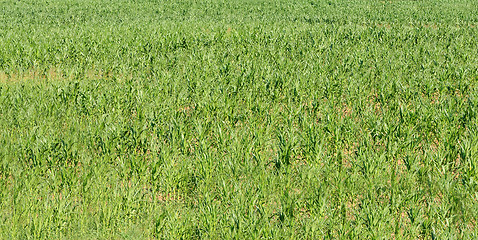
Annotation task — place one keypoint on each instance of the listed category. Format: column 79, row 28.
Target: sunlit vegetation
column 238, row 119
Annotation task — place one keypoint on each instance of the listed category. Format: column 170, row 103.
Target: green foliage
column 238, row 119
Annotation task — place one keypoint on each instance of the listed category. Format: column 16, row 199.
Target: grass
column 238, row 119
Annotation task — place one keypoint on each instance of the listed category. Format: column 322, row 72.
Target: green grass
column 238, row 119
